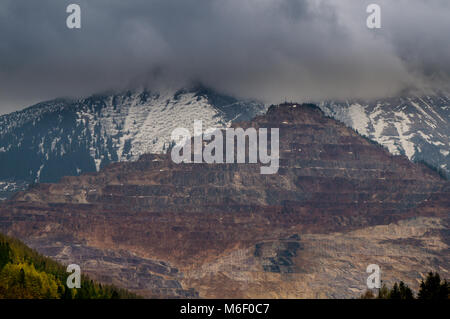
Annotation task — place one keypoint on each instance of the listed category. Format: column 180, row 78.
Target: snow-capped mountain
column 418, row 127
column 67, row 137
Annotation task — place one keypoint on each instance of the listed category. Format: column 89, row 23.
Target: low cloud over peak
column 266, row 49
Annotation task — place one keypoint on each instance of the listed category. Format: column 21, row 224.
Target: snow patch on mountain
column 417, row 127
column 68, row 137
column 9, row 187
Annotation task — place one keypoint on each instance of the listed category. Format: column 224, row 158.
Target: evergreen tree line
column 25, row 274
column 433, row 288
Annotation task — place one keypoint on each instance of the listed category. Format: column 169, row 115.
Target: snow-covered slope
column 418, row 127
column 67, row 137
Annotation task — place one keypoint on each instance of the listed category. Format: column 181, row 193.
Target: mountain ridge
column 68, row 136
column 337, row 204
column 416, row 126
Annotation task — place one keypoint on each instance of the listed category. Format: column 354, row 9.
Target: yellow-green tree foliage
column 24, row 281
column 25, row 274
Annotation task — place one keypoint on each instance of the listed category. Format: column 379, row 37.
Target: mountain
column 65, row 137
column 338, row 203
column 25, row 274
column 418, row 127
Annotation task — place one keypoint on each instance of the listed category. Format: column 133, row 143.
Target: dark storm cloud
column 265, row 49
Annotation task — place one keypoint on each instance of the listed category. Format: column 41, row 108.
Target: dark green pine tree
column 395, row 292
column 405, row 291
column 433, row 288
column 5, row 254
column 22, row 277
column 383, row 292
column 398, row 291
column 115, row 295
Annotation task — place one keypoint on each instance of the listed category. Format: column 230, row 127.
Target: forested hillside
column 25, row 274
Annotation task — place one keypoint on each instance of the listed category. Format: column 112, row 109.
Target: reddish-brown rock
column 338, row 203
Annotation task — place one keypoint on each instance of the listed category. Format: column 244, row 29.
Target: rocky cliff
column 338, row 203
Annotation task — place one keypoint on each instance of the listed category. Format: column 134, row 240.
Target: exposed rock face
column 65, row 137
column 337, row 204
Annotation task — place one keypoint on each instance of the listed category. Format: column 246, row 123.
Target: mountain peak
column 70, row 136
column 335, row 194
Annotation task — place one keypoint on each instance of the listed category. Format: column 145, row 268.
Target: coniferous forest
column 25, row 274
column 432, row 288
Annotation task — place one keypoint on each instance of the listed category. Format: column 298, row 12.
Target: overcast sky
column 266, row 49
